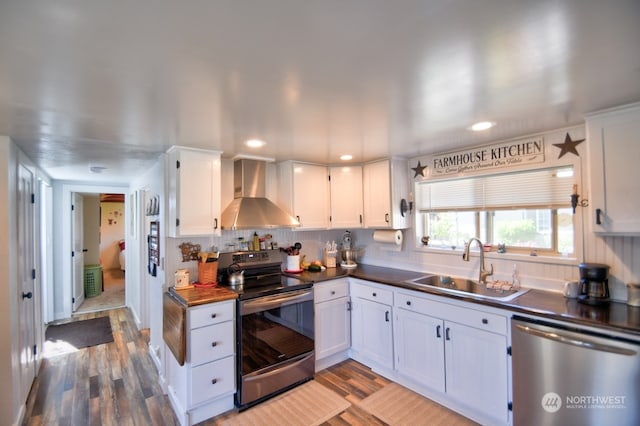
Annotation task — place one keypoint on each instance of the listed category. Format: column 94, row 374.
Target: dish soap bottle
column 256, row 241
column 515, row 280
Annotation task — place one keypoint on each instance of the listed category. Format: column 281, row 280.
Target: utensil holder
column 329, row 259
column 207, row 272
column 293, row 263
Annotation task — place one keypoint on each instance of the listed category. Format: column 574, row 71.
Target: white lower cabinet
column 205, row 385
column 457, row 354
column 332, row 322
column 371, row 324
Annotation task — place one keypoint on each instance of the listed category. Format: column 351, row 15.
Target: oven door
column 276, row 344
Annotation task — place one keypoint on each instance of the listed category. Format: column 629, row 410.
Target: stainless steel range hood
column 250, row 209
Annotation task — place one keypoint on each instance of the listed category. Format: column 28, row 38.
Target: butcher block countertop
column 194, row 296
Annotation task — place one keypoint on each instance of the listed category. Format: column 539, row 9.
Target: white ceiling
column 115, row 83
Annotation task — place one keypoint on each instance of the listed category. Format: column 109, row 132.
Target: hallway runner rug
column 306, row 405
column 79, row 334
column 397, row 405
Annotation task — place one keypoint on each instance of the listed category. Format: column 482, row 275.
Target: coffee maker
column 594, row 283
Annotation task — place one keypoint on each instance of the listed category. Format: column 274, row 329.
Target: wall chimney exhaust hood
column 250, row 209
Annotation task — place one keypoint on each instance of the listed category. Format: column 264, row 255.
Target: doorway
column 103, row 251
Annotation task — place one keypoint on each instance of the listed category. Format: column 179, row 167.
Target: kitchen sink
column 465, row 287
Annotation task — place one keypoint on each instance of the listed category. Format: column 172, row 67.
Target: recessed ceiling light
column 97, row 169
column 255, row 143
column 482, row 125
column 346, row 157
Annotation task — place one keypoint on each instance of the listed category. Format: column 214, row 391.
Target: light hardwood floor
column 117, row 384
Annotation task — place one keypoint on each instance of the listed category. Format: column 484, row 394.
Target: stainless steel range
column 275, row 325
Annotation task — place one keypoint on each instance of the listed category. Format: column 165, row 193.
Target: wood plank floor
column 117, row 384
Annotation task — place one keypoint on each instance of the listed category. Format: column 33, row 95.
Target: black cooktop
column 259, row 287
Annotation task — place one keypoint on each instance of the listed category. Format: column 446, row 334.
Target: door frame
column 65, row 288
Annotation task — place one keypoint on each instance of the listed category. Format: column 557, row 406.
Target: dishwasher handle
column 582, row 343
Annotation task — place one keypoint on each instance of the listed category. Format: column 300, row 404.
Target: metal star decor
column 568, row 146
column 419, row 170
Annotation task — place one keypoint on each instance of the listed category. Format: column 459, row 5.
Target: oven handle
column 269, row 302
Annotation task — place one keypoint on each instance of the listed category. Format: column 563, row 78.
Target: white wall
column 112, row 224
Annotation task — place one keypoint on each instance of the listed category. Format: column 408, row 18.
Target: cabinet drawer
column 211, row 343
column 330, row 290
column 470, row 317
column 481, row 320
column 212, row 313
column 212, row 380
column 373, row 293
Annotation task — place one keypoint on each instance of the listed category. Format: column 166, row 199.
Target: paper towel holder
column 405, row 206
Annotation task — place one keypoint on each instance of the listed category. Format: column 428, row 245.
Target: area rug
column 397, row 405
column 306, row 405
column 63, row 338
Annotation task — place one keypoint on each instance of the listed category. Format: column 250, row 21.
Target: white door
column 77, row 254
column 26, row 280
column 420, row 348
column 476, row 369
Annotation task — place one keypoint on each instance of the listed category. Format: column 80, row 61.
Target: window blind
column 543, row 188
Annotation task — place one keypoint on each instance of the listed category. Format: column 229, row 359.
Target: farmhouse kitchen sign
column 508, row 154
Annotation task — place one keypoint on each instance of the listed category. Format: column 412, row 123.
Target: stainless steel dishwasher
column 572, row 376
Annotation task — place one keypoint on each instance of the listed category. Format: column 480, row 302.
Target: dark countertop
column 613, row 316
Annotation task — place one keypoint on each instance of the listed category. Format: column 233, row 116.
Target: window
column 524, row 210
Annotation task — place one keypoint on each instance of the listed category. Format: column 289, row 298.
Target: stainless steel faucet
column 482, row 277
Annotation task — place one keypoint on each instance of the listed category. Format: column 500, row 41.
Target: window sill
column 520, row 257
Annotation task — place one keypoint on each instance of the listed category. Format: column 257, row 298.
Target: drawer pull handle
column 214, row 315
column 214, row 344
column 408, row 302
column 485, row 321
column 214, row 381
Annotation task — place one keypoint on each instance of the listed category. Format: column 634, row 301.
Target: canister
column 182, row 278
column 633, row 298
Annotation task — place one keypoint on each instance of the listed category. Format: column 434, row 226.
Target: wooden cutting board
column 174, row 326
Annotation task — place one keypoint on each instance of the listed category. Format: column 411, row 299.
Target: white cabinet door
column 614, row 149
column 372, row 332
column 384, row 184
column 419, row 346
column 346, row 196
column 194, row 192
column 304, row 191
column 333, row 327
column 476, row 369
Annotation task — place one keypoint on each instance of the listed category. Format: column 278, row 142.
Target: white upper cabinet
column 194, row 192
column 385, row 184
column 303, row 190
column 346, row 196
column 613, row 138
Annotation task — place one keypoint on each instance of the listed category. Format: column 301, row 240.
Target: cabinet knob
column 386, row 316
column 408, row 302
column 446, row 334
column 386, row 217
column 438, row 335
column 213, row 315
column 374, row 294
column 333, row 292
column 214, row 381
column 485, row 321
column 214, row 344
column 598, row 214
column 215, row 223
